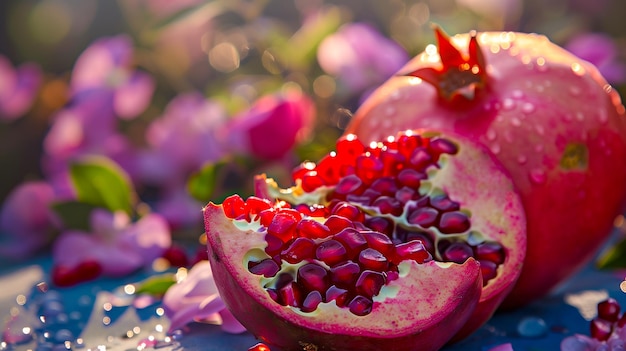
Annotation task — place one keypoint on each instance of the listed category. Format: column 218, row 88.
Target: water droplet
column 580, row 116
column 495, row 148
column 508, row 104
column 603, row 117
column 539, row 148
column 574, row 90
column 528, row 108
column 537, row 176
column 522, row 159
column 390, row 110
column 516, row 122
column 491, row 135
column 540, row 130
column 540, row 88
column 532, row 327
column 518, row 94
column 395, row 95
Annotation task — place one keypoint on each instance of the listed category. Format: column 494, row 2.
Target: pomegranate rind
column 564, row 110
column 421, row 310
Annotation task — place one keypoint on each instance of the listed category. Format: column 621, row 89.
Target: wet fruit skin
column 551, row 120
column 431, row 301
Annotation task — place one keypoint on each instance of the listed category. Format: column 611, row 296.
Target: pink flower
column 18, row 88
column 272, row 126
column 196, row 298
column 360, row 57
column 26, row 221
column 106, row 66
column 117, row 245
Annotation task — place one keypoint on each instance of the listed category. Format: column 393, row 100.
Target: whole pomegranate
column 547, row 116
column 401, row 244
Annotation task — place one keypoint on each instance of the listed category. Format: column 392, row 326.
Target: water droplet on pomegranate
column 537, row 176
column 539, row 148
column 528, row 108
column 491, row 135
column 522, row 159
column 574, row 90
column 517, row 94
column 516, row 122
column 532, row 327
column 390, row 110
column 603, row 116
column 495, row 148
column 580, row 116
column 508, row 104
column 540, row 129
column 395, row 95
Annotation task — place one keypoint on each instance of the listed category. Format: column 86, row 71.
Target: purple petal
column 503, row 347
column 97, row 65
column 134, row 96
column 180, row 209
column 148, row 238
column 19, row 100
column 230, row 324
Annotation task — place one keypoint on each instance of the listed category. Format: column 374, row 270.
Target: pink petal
column 133, row 97
column 19, row 100
column 98, row 62
column 503, row 347
column 148, row 237
column 230, row 324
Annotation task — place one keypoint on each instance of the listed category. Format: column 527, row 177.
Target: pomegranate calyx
column 460, row 76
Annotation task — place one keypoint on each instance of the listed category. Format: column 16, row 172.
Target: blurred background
column 177, row 91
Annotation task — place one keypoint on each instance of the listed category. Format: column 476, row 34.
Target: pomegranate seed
column 274, row 244
column 359, row 199
column 273, row 293
column 379, row 242
column 490, row 251
column 373, row 260
column 423, row 216
column 328, row 169
column 385, row 186
column 457, row 252
column 609, row 310
column 311, row 181
column 369, row 168
column 267, row 267
column 256, row 205
column 338, row 294
column 443, row 146
column 314, row 210
column 393, row 162
column 312, row 276
column 369, row 283
column 425, row 238
column 266, row 217
column 380, row 224
column 290, row 295
column 350, row 184
column 234, row 207
column 301, row 169
column 621, row 322
column 388, row 205
column 345, row 274
column 600, row 329
column 413, row 250
column 349, row 211
column 299, row 250
column 311, row 228
column 311, row 301
column 454, row 222
column 489, row 270
column 349, row 147
column 405, row 194
column 337, row 223
column 283, row 226
column 407, row 143
column 259, row 347
column 420, row 159
column 411, row 178
column 176, row 256
column 360, row 305
column 352, row 240
column 444, row 203
column 331, row 252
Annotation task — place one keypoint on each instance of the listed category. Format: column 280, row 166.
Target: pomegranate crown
column 460, row 76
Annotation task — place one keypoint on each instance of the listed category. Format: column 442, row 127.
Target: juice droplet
column 574, row 90
column 580, row 116
column 495, row 148
column 537, row 176
column 522, row 159
column 491, row 135
column 528, row 108
column 516, row 122
column 518, row 94
column 390, row 110
column 603, row 117
column 508, row 104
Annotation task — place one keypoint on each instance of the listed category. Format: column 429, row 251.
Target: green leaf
column 202, row 184
column 74, row 214
column 100, row 182
column 156, row 285
column 614, row 257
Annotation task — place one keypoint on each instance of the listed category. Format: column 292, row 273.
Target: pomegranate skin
column 553, row 122
column 448, row 295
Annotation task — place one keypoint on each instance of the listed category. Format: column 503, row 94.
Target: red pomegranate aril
column 368, row 168
column 444, row 203
column 301, row 169
column 299, row 250
column 312, row 276
column 259, row 347
column 349, row 211
column 267, row 267
column 373, row 260
column 424, row 237
column 621, row 322
column 423, row 216
column 609, row 310
column 408, row 143
column 380, row 224
column 454, row 222
column 339, row 295
column 311, row 301
column 420, row 159
column 345, row 274
column 369, row 283
column 352, row 240
column 385, row 186
column 349, row 147
column 360, row 305
column 440, row 146
column 350, row 184
column 600, row 329
column 255, row 205
column 337, row 223
column 328, row 169
column 489, row 270
column 274, row 245
column 457, row 252
column 265, row 217
column 393, row 162
column 283, row 226
column 331, row 252
column 388, row 205
column 405, row 194
column 311, row 228
column 411, row 178
column 290, row 295
column 412, row 250
column 380, row 242
column 311, row 181
column 490, row 251
column 314, row 210
column 234, row 207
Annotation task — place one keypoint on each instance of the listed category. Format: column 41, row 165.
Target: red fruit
column 553, row 122
column 176, row 256
column 65, row 276
column 352, row 291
